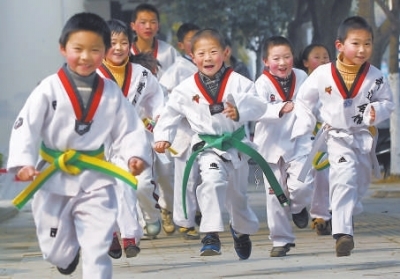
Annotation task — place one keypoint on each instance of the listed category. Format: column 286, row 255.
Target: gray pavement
column 376, row 253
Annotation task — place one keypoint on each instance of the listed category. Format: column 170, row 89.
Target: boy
column 145, row 24
column 350, row 95
column 215, row 101
column 142, row 90
column 278, row 85
column 173, row 76
column 75, row 209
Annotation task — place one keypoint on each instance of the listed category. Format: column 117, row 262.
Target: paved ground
column 376, row 255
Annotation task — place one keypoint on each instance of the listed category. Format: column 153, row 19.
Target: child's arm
column 27, row 173
column 161, row 146
column 231, row 111
column 287, row 107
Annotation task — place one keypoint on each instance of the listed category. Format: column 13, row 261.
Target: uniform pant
column 320, row 203
column 299, row 194
column 349, row 179
column 223, row 187
column 86, row 221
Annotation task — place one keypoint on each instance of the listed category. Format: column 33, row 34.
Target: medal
column 216, row 108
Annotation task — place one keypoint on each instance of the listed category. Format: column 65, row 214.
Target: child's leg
column 55, row 227
column 211, row 192
column 278, row 217
column 127, row 217
column 94, row 215
column 320, row 203
column 243, row 219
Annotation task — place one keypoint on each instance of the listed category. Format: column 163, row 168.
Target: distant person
column 349, row 95
column 313, row 56
column 237, row 65
column 172, row 77
column 75, row 208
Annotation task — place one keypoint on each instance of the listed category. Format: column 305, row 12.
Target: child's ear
column 181, row 46
column 62, row 50
column 339, row 45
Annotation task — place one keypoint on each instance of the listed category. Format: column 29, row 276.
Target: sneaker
column 242, row 244
column 115, row 250
column 301, row 219
column 167, row 223
column 197, row 218
column 321, row 226
column 151, row 230
column 130, row 247
column 71, row 267
column 280, row 251
column 211, row 245
column 189, row 233
column 344, row 245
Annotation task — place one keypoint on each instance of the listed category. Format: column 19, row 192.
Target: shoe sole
column 210, row 252
column 115, row 255
column 344, row 247
column 131, row 253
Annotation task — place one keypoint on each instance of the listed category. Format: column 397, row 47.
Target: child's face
column 317, row 56
column 84, row 52
column 208, row 56
column 146, row 25
column 356, row 48
column 186, row 45
column 119, row 51
column 279, row 60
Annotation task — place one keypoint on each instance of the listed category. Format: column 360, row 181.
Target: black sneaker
column 242, row 244
column 72, row 266
column 115, row 250
column 280, row 251
column 211, row 245
column 301, row 219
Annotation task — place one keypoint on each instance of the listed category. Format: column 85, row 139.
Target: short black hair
column 208, row 33
column 184, row 29
column 144, row 7
column 276, row 41
column 353, row 23
column 117, row 27
column 86, row 22
column 306, row 52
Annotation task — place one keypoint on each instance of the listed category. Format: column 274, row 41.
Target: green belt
column 72, row 162
column 225, row 142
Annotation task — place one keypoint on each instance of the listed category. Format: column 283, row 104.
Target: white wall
column 29, row 49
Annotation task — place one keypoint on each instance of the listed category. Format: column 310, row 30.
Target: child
column 237, row 65
column 75, row 209
column 278, row 85
column 215, row 101
column 142, row 90
column 350, row 95
column 173, row 76
column 313, row 56
column 145, row 23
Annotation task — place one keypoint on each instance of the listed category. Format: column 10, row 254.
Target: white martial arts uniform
column 76, row 211
column 349, row 142
column 173, row 76
column 145, row 94
column 285, row 156
column 163, row 52
column 222, row 183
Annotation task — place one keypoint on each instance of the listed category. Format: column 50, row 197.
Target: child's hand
column 27, row 173
column 160, row 146
column 136, row 165
column 231, row 112
column 372, row 115
column 287, row 107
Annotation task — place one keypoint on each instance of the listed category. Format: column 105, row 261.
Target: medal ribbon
column 279, row 88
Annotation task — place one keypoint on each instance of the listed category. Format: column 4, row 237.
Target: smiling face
column 146, row 25
column 356, row 48
column 119, row 51
column 84, row 52
column 208, row 55
column 279, row 60
column 317, row 56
